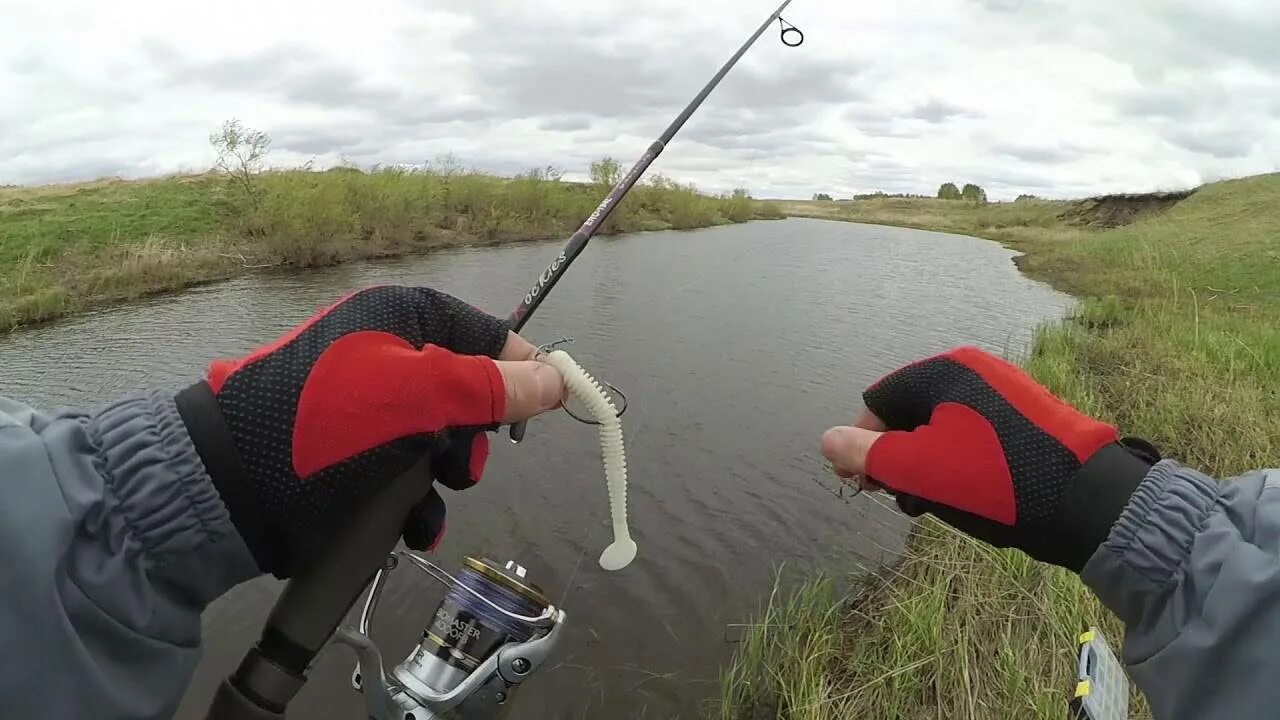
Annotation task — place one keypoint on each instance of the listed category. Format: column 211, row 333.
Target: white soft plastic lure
column 587, row 389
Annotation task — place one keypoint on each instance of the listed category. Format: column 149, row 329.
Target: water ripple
column 737, row 347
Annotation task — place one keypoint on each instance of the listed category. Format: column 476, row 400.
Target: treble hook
column 787, row 27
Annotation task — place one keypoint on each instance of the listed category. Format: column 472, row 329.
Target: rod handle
column 316, row 600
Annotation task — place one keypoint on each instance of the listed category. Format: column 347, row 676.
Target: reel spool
column 491, row 630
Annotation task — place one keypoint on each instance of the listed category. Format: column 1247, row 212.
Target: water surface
column 737, row 345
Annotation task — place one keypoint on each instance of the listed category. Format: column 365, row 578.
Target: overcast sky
column 1040, row 96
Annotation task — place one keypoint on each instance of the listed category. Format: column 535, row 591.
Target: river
column 737, row 346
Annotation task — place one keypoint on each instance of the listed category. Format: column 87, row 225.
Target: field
column 1174, row 340
column 67, row 248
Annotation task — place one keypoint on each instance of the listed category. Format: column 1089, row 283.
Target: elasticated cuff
column 1153, row 537
column 172, row 508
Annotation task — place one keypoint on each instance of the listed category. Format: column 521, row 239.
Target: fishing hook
column 548, row 347
column 852, row 483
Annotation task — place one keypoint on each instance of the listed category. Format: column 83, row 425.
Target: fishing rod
column 790, row 35
column 494, row 627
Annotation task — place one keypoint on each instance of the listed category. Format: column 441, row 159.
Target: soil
column 1108, row 211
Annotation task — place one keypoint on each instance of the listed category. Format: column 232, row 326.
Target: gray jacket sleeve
column 1192, row 568
column 112, row 542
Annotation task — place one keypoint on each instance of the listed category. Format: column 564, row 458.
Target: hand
column 300, row 432
column 975, row 441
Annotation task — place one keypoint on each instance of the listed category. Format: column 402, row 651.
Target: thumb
column 532, row 388
column 847, row 447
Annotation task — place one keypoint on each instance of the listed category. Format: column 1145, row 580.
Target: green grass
column 957, row 629
column 1174, row 340
column 70, row 247
column 42, row 223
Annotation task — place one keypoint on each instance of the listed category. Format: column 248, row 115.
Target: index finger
column 532, row 387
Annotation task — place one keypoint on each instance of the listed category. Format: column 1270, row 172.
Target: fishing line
column 668, row 297
column 653, row 382
column 790, row 37
column 639, row 422
column 431, row 681
column 796, row 40
column 578, row 241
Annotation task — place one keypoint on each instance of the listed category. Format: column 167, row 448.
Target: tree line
column 949, row 191
column 872, row 196
column 946, row 191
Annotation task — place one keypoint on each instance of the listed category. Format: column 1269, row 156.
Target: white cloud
column 1052, row 97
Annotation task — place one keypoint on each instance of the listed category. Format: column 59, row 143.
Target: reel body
column 489, row 633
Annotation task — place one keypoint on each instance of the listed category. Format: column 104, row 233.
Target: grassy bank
column 66, row 248
column 1174, row 340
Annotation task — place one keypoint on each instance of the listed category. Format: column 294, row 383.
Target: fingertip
column 846, row 447
column 832, row 443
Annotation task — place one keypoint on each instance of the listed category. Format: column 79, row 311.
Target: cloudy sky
column 1052, row 98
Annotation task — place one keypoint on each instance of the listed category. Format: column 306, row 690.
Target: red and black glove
column 985, row 448
column 302, row 431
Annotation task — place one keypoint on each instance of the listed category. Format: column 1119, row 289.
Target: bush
column 974, row 193
column 240, row 152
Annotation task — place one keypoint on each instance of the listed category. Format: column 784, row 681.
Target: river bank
column 69, row 248
column 1174, row 340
